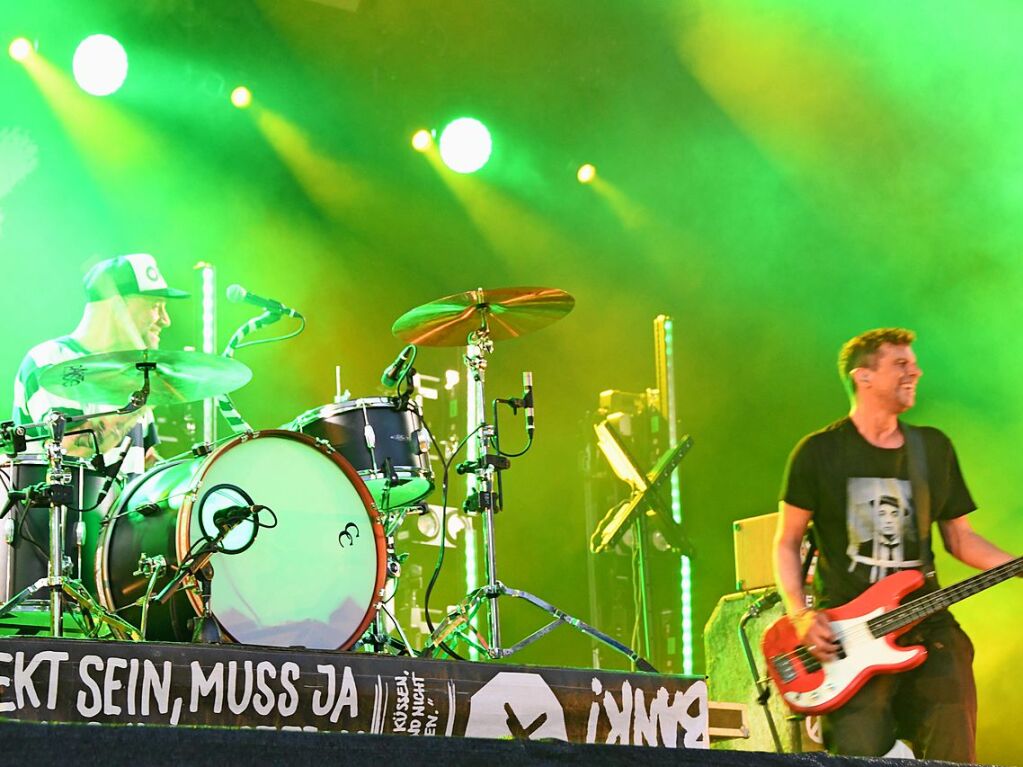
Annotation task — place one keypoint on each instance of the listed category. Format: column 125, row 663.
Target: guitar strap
column 921, row 495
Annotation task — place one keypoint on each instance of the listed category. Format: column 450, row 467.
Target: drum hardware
column 205, row 629
column 339, row 396
column 23, row 559
column 382, row 438
column 199, row 449
column 377, row 636
column 57, row 492
column 196, row 568
column 393, row 519
column 378, row 639
column 196, row 573
column 13, row 439
column 478, row 318
column 152, row 568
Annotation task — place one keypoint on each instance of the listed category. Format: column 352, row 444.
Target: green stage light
column 241, row 97
column 465, row 145
column 20, row 48
column 100, row 65
column 421, row 140
column 586, row 173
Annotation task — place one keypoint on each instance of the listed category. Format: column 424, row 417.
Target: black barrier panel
column 55, row 680
column 61, row 745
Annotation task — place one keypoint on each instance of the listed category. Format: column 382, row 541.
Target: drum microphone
column 527, row 403
column 398, row 369
column 226, row 519
column 236, row 294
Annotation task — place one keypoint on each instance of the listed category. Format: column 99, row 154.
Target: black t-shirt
column 864, row 518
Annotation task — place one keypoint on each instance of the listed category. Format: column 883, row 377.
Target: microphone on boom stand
column 395, row 373
column 527, row 403
column 238, row 295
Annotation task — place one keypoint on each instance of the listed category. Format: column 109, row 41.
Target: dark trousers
column 933, row 706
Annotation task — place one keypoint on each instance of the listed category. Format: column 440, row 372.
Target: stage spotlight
column 421, row 140
column 586, row 173
column 100, row 65
column 465, row 145
column 20, row 48
column 241, row 97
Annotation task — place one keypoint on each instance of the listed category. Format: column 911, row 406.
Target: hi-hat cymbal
column 111, row 378
column 505, row 312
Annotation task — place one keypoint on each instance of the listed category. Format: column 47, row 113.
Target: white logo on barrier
column 516, row 705
column 813, row 729
column 632, row 721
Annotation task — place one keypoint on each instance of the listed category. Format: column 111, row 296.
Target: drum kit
column 281, row 537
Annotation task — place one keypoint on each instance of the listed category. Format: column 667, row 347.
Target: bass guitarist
column 855, row 481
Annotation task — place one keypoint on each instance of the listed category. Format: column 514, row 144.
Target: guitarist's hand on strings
column 814, row 631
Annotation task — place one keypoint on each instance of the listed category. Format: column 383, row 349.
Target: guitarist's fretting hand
column 814, row 631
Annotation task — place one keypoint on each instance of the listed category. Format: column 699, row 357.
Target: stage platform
column 78, row 701
column 186, row 685
column 84, row 746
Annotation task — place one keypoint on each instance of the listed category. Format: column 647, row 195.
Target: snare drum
column 313, row 580
column 25, row 531
column 386, row 442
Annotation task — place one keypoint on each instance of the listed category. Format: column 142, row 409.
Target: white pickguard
column 862, row 651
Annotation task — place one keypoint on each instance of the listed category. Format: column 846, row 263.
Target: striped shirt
column 32, row 403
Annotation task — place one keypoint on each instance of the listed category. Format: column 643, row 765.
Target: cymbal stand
column 58, row 491
column 483, row 500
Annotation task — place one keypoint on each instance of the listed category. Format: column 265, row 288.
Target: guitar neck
column 920, row 608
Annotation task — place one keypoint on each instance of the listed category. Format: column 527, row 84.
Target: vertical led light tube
column 473, row 411
column 665, row 363
column 208, row 275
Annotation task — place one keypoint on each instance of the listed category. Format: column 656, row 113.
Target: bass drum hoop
column 183, row 526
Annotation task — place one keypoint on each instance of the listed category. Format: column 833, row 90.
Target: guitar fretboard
column 920, row 608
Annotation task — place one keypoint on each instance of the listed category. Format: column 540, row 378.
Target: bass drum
column 309, row 574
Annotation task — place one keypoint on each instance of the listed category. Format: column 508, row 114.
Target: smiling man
column 126, row 308
column 852, row 480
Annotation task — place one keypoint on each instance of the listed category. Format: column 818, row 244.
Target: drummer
column 126, row 309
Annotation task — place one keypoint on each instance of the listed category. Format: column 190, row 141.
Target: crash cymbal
column 505, row 312
column 111, row 378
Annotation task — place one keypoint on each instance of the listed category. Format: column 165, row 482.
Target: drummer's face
column 149, row 316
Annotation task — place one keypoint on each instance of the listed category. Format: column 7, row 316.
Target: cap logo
column 147, row 274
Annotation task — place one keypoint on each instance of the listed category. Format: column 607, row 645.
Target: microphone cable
column 446, row 463
column 273, row 339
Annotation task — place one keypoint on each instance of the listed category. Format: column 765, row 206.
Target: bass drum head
column 311, row 579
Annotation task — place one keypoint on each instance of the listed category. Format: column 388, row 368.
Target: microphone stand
column 198, row 569
column 763, row 603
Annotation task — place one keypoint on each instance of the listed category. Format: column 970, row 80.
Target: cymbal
column 111, row 378
column 505, row 312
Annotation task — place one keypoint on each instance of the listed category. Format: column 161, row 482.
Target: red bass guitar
column 866, row 629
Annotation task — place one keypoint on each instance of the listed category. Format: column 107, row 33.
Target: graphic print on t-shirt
column 881, row 526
